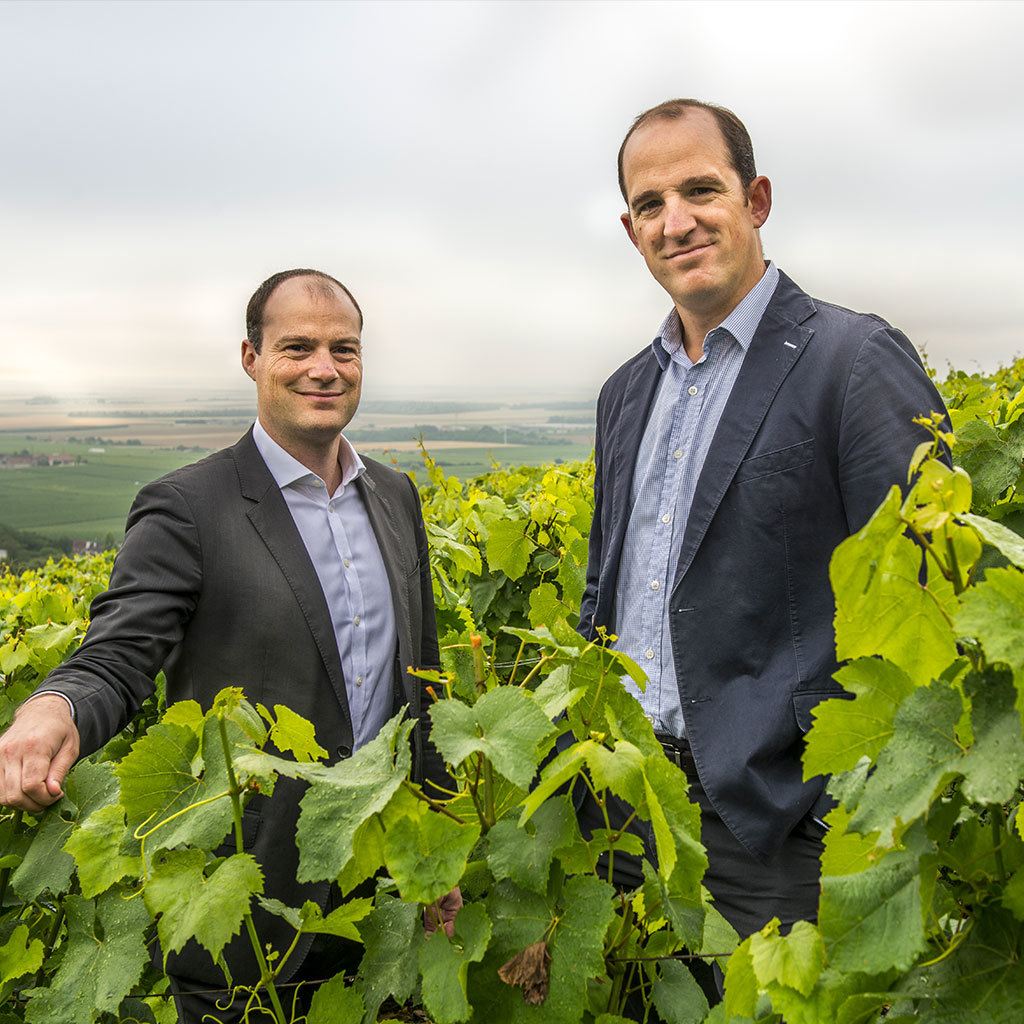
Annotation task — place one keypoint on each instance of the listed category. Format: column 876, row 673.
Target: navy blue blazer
column 816, row 430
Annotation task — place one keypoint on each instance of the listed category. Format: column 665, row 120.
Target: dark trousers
column 746, row 892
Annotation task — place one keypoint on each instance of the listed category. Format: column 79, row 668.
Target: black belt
column 677, row 751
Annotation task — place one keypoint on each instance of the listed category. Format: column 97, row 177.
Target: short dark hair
column 258, row 302
column 734, row 132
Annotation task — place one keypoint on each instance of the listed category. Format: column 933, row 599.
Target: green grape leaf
column 881, row 606
column 342, row 798
column 97, row 846
column 922, row 756
column 844, row 731
column 508, row 548
column 795, row 960
column 1009, row 544
column 1013, row 894
column 505, row 725
column 992, row 458
column 104, row 956
column 310, row 918
column 19, row 956
column 676, row 995
column 160, row 777
column 444, row 964
column 740, row 983
column 293, row 734
column 555, row 774
column 524, row 853
column 873, row 921
column 334, row 1002
column 367, row 855
column 426, row 854
column 845, row 853
column 558, row 692
column 392, row 935
column 992, row 612
column 676, row 824
column 191, row 904
column 46, row 867
column 577, row 944
column 994, row 766
column 984, row 982
column 620, row 770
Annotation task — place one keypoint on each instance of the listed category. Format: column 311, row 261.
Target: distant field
column 91, row 500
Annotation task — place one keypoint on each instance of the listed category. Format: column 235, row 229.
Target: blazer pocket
column 792, row 457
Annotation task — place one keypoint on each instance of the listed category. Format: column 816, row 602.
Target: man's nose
column 679, row 220
column 321, row 366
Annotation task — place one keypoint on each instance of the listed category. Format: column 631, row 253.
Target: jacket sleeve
column 138, row 620
column 887, row 388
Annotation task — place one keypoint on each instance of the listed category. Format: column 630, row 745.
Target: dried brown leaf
column 529, row 971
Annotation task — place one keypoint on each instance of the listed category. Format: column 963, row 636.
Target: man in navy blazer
column 760, row 429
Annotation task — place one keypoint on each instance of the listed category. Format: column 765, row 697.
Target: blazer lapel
column 398, row 562
column 273, row 522
column 773, row 352
column 629, row 430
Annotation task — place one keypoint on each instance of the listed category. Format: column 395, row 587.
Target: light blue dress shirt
column 341, row 543
column 684, row 416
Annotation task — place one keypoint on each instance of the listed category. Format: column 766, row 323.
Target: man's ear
column 759, row 195
column 249, row 354
column 627, row 223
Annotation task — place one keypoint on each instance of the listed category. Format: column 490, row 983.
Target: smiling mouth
column 683, row 253
column 320, row 394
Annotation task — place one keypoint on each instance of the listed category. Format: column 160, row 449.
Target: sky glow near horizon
column 454, row 164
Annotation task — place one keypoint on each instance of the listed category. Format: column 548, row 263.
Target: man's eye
column 649, row 207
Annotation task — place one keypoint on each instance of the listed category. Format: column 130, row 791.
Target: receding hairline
column 317, row 287
column 733, row 132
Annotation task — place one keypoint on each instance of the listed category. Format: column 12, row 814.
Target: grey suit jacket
column 817, row 428
column 213, row 585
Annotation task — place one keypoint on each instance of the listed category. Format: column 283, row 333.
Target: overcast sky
column 454, row 163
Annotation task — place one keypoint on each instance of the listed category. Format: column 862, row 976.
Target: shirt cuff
column 71, row 707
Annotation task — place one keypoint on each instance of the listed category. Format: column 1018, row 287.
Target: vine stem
column 432, row 804
column 998, row 822
column 266, row 974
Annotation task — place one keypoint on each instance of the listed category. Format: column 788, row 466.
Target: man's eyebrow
column 701, row 181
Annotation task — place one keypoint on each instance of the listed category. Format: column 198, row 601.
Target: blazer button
column 344, row 751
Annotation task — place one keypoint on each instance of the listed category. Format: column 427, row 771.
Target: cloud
column 455, row 164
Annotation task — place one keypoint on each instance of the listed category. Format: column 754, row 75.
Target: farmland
column 114, row 445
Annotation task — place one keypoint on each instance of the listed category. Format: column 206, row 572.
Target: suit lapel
column 773, row 352
column 393, row 550
column 629, row 430
column 273, row 522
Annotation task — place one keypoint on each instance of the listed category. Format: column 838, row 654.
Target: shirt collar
column 287, row 470
column 741, row 323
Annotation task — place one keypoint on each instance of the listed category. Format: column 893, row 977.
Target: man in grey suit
column 734, row 453
column 285, row 564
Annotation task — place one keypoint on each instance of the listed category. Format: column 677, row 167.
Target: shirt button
column 347, row 562
column 678, row 453
column 692, row 389
column 649, row 654
column 666, row 518
column 655, row 584
column 357, row 620
column 359, row 680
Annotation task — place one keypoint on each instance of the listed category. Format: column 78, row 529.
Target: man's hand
column 443, row 912
column 36, row 752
